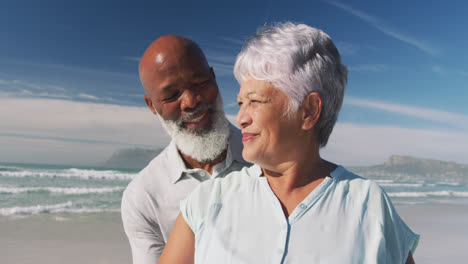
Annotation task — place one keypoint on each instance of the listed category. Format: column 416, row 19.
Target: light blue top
column 346, row 219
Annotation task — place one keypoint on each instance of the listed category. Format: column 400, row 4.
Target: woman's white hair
column 298, row 60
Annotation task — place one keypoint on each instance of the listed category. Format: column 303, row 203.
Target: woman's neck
column 293, row 181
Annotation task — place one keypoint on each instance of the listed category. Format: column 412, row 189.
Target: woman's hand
column 180, row 247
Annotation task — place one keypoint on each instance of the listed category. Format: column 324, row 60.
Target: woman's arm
column 180, row 247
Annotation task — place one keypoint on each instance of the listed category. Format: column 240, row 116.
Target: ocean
column 27, row 189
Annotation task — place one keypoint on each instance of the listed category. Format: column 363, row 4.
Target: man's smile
column 199, row 120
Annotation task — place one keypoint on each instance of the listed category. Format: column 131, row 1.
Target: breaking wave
column 70, row 173
column 67, row 207
column 428, row 194
column 79, row 191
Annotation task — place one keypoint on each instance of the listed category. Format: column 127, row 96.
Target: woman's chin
column 249, row 156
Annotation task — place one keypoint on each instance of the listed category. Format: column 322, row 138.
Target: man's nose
column 190, row 100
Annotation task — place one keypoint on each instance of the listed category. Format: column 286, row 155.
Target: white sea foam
column 428, row 194
column 35, row 209
column 54, row 208
column 4, row 167
column 70, row 173
column 380, row 181
column 14, row 190
column 401, row 184
column 450, row 183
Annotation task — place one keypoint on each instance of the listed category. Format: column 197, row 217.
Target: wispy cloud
column 463, row 73
column 232, row 40
column 87, row 133
column 385, row 28
column 221, row 69
column 18, row 88
column 228, row 59
column 357, row 144
column 368, row 68
column 52, row 95
column 21, row 84
column 446, row 71
column 439, row 70
column 74, row 70
column 222, row 62
column 88, row 96
column 131, row 58
column 231, row 105
column 455, row 119
column 56, row 87
column 31, row 89
column 346, row 48
column 71, row 130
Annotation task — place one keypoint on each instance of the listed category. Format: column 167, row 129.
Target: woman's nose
column 243, row 118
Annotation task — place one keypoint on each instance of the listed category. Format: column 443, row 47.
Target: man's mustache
column 195, row 111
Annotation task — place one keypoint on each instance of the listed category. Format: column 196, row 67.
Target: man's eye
column 239, row 103
column 171, row 97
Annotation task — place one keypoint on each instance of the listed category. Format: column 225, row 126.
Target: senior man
column 181, row 90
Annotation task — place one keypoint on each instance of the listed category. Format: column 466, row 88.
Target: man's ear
column 312, row 108
column 149, row 103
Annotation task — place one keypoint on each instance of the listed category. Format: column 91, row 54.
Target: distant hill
column 412, row 168
column 131, row 158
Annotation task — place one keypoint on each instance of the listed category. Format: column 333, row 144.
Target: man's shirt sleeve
column 144, row 235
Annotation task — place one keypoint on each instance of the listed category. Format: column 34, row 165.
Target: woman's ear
column 312, row 107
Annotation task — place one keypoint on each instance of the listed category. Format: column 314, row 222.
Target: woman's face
column 269, row 135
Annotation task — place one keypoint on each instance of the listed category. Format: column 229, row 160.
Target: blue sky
column 70, row 93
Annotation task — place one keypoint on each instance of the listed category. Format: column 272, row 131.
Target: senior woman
column 291, row 206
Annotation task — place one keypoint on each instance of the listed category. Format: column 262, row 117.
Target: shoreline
column 99, row 237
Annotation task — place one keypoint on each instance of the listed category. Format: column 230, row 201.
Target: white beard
column 201, row 145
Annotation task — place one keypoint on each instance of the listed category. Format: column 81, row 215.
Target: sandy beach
column 65, row 238
column 99, row 238
column 443, row 230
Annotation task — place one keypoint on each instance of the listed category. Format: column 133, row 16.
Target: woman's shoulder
column 217, row 188
column 212, row 193
column 357, row 187
column 346, row 177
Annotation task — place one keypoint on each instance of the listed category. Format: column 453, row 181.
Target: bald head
column 166, row 54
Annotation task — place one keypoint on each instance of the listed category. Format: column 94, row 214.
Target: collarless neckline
column 309, row 200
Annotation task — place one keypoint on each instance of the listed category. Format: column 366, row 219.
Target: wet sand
column 53, row 239
column 99, row 238
column 443, row 230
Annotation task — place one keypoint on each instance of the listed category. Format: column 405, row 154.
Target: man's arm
column 145, row 237
column 180, row 248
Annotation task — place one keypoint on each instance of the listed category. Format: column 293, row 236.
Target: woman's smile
column 248, row 136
